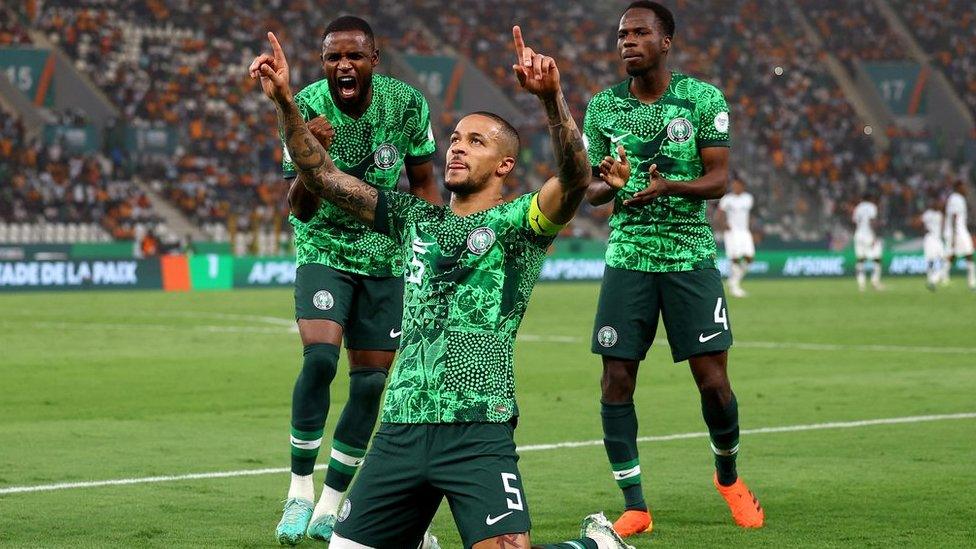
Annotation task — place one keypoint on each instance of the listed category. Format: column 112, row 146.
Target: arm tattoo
column 317, row 171
column 573, row 165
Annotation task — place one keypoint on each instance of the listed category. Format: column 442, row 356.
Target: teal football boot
column 294, row 521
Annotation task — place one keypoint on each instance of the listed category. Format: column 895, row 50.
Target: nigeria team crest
column 386, row 156
column 607, row 336
column 680, row 130
column 323, row 300
column 480, row 240
column 722, row 122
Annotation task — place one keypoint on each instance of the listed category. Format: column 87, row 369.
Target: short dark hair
column 509, row 130
column 350, row 23
column 664, row 15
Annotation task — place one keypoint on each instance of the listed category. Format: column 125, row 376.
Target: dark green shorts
column 410, row 468
column 369, row 308
column 692, row 304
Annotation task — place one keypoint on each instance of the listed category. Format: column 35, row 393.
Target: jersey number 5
column 416, row 269
column 516, row 504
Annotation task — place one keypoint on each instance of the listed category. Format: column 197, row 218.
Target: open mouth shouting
column 348, row 87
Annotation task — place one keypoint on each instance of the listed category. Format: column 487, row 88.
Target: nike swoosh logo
column 490, row 521
column 616, row 139
column 702, row 338
column 395, row 334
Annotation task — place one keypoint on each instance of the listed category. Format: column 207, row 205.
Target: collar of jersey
column 622, row 90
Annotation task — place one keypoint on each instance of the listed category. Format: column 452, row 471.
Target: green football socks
column 355, row 426
column 620, row 442
column 723, row 430
column 310, row 405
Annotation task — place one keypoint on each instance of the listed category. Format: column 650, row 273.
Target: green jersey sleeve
column 597, row 144
column 396, row 210
column 518, row 215
column 713, row 118
column 287, row 166
column 421, row 145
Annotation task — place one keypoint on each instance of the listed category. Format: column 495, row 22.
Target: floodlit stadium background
column 136, row 154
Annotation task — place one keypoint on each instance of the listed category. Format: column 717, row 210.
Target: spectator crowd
column 799, row 144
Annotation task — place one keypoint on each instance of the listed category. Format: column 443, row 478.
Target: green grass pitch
column 114, row 385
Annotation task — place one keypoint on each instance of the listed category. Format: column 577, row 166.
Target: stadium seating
column 47, row 190
column 12, row 30
column 945, row 29
column 854, row 30
column 797, row 139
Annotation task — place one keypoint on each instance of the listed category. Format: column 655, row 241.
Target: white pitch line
column 763, row 430
column 523, row 449
column 289, row 328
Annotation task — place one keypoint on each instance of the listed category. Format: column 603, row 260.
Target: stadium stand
column 798, row 140
column 945, row 29
column 12, row 30
column 854, row 30
column 52, row 195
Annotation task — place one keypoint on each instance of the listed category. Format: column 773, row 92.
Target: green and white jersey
column 468, row 282
column 671, row 233
column 395, row 129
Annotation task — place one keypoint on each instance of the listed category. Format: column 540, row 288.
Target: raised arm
column 561, row 196
column 312, row 162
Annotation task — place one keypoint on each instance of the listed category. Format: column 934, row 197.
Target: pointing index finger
column 523, row 53
column 276, row 48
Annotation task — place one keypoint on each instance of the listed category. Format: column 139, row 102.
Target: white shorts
column 963, row 245
column 934, row 248
column 867, row 248
column 738, row 244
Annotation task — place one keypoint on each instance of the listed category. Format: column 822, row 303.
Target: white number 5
column 515, row 504
column 721, row 317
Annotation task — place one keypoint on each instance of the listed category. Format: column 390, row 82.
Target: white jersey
column 932, row 244
column 864, row 214
column 956, row 206
column 932, row 220
column 736, row 208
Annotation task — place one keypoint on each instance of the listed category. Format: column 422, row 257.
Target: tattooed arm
column 315, row 168
column 561, row 196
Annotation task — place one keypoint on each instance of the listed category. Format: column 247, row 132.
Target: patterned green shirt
column 468, row 281
column 671, row 233
column 395, row 129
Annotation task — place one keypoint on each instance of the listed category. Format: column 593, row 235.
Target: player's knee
column 618, row 384
column 366, row 384
column 319, row 364
column 715, row 389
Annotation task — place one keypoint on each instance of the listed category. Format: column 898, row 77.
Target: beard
column 636, row 72
column 469, row 185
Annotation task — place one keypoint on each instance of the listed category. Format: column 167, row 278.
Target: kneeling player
column 448, row 419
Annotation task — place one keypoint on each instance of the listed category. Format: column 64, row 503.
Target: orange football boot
column 633, row 522
column 745, row 508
